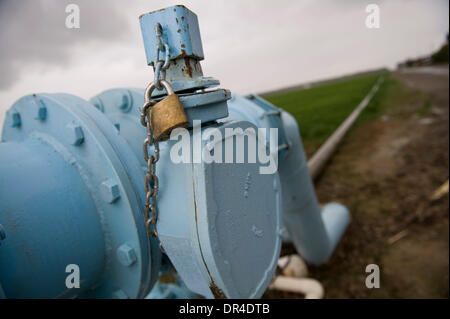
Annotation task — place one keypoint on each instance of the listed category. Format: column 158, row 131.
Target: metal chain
column 151, row 184
column 161, row 65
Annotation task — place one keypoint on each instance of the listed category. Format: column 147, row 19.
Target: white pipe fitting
column 294, row 271
column 293, row 266
column 311, row 288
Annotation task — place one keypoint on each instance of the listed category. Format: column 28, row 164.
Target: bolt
column 42, row 110
column 126, row 255
column 127, row 102
column 42, row 113
column 15, row 119
column 98, row 103
column 124, row 102
column 75, row 134
column 110, row 191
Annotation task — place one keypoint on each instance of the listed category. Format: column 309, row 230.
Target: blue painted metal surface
column 180, row 30
column 214, row 232
column 264, row 115
column 71, row 194
column 119, row 104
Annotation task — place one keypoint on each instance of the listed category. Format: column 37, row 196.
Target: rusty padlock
column 166, row 114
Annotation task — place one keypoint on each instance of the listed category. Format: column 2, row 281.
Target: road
column 434, row 70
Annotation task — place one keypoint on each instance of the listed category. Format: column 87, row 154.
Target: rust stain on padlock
column 167, row 115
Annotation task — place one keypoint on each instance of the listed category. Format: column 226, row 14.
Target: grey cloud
column 317, row 39
column 33, row 33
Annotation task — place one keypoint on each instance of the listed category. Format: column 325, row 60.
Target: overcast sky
column 249, row 45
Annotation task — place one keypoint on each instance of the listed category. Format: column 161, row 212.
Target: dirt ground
column 386, row 172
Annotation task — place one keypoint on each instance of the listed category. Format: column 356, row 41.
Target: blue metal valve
column 72, row 188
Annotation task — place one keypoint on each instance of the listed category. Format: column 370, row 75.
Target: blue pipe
column 50, row 223
column 71, row 194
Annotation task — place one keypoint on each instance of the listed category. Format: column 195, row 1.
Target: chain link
column 161, row 65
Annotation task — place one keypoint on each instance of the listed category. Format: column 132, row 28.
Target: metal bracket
column 181, row 32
